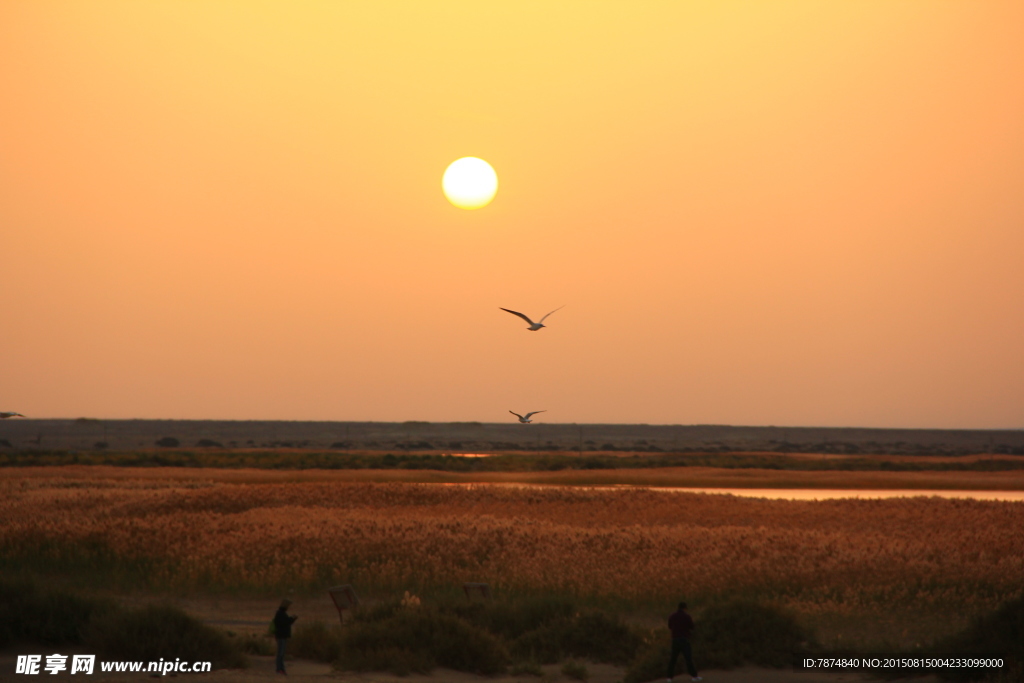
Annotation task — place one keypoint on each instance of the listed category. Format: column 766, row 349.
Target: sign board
column 344, row 598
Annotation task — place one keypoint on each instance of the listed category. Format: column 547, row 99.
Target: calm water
column 798, row 494
column 830, row 494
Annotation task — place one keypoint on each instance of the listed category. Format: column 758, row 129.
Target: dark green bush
column 510, row 619
column 424, row 638
column 478, row 636
column 727, row 635
column 315, row 640
column 161, row 631
column 999, row 633
column 47, row 617
column 591, row 635
column 52, row 617
column 255, row 645
column 576, row 671
column 743, row 632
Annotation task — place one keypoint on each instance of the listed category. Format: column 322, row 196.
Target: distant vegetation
column 502, row 462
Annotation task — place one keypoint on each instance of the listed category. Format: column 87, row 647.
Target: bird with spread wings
column 533, row 326
column 525, row 419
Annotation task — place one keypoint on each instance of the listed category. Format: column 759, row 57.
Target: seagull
column 533, row 326
column 526, row 419
column 4, row 416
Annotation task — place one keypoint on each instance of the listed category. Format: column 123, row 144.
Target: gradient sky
column 788, row 213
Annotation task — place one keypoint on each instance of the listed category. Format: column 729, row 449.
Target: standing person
column 681, row 625
column 283, row 631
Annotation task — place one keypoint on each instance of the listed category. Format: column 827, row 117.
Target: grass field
column 878, row 570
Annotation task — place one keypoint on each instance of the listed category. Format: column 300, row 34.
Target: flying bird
column 4, row 416
column 533, row 326
column 525, row 419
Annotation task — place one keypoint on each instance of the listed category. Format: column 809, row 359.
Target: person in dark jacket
column 283, row 631
column 681, row 625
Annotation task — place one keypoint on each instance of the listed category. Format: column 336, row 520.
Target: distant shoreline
column 94, row 435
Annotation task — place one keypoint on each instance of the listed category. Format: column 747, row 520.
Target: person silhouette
column 283, row 631
column 681, row 625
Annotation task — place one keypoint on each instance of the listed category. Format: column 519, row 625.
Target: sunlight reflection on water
column 786, row 494
column 832, row 494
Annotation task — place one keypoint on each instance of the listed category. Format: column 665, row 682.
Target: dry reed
column 829, row 556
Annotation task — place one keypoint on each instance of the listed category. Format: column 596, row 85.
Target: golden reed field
column 214, row 534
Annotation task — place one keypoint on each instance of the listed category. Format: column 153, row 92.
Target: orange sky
column 790, row 213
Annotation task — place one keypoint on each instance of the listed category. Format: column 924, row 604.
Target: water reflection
column 832, row 494
column 780, row 494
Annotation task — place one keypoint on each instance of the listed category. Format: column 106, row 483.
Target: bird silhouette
column 4, row 416
column 533, row 326
column 525, row 419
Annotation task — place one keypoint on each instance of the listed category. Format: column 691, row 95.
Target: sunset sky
column 759, row 213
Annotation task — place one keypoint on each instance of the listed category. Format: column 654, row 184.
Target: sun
column 469, row 183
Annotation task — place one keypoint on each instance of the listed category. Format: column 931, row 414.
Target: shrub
column 575, row 670
column 52, row 617
column 470, row 636
column 161, row 631
column 728, row 635
column 417, row 640
column 168, row 442
column 593, row 635
column 45, row 617
column 539, row 645
column 511, row 619
column 743, row 632
column 315, row 640
column 255, row 645
column 999, row 633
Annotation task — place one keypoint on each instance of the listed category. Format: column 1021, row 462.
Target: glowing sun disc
column 469, row 183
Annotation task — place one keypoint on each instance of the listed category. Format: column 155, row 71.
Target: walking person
column 283, row 631
column 681, row 625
